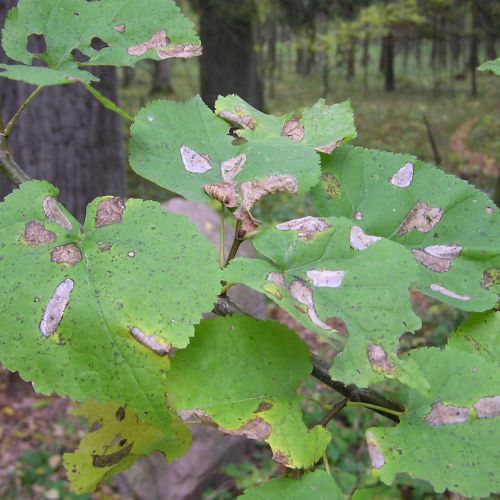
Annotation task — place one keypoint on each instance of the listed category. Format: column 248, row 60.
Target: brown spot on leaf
column 328, row 148
column 358, row 215
column 109, row 211
column 256, row 428
column 157, row 41
column 331, row 186
column 120, row 414
column 232, row 167
column 150, row 342
column 380, row 360
column 376, row 455
column 403, row 177
column 306, row 227
column 488, row 407
column 194, row 415
column 225, row 192
column 104, row 247
column 53, row 212
column 263, row 406
column 111, row 458
column 241, row 121
column 184, row 50
column 66, row 254
column 195, row 162
column 293, row 130
column 56, row 306
column 421, row 217
column 442, row 414
column 304, row 295
column 120, row 28
column 282, row 458
column 359, row 240
column 449, row 293
column 437, row 257
column 326, row 278
column 35, row 234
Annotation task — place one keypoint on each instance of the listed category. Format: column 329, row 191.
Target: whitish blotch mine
column 232, row 167
column 442, row 414
column 53, row 212
column 449, row 293
column 326, row 278
column 54, row 311
column 256, row 428
column 35, row 234
column 120, row 28
column 403, row 177
column 184, row 51
column 109, row 211
column 380, row 360
column 376, row 456
column 111, row 458
column 488, row 407
column 421, row 217
column 66, row 254
column 359, row 240
column 437, row 258
column 131, row 254
column 328, row 148
column 306, row 227
column 277, row 278
column 157, row 41
column 304, row 295
column 489, row 210
column 358, row 215
column 293, row 130
column 246, row 121
column 150, row 342
column 195, row 162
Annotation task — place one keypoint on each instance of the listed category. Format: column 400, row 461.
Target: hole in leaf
column 98, row 44
column 79, row 56
column 76, row 13
column 36, row 44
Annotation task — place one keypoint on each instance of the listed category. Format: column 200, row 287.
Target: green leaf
column 450, row 438
column 317, row 485
column 115, row 439
column 242, row 375
column 493, row 65
column 184, row 147
column 320, row 268
column 104, row 32
column 449, row 228
column 91, row 315
column 322, row 127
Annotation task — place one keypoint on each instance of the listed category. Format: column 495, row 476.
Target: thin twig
column 237, row 241
column 430, row 135
column 334, row 410
column 377, row 401
column 222, row 258
column 10, row 168
column 107, row 103
column 8, row 128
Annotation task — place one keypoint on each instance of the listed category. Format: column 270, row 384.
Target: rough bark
column 229, row 62
column 66, row 137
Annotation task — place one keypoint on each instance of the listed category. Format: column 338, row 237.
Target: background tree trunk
column 474, row 47
column 229, row 62
column 388, row 57
column 162, row 77
column 66, row 137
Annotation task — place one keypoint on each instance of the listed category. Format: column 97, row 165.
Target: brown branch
column 10, row 168
column 226, row 307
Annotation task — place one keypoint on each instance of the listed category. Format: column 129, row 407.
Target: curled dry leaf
column 225, row 192
column 328, row 148
column 246, row 121
column 442, row 414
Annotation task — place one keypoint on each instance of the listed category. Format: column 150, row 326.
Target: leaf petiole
column 17, row 114
column 107, row 103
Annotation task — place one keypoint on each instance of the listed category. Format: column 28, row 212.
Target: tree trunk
column 162, row 77
column 229, row 62
column 365, row 61
column 474, row 47
column 272, row 60
column 128, row 76
column 388, row 49
column 66, row 137
column 351, row 66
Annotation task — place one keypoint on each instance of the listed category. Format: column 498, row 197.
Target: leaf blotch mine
column 437, row 258
column 194, row 162
column 422, row 218
column 35, row 234
column 112, row 458
column 109, row 211
column 442, row 414
column 376, row 456
column 56, row 306
column 331, row 186
column 53, row 212
column 150, row 342
column 488, row 407
column 304, row 295
column 66, row 254
column 306, row 227
column 403, row 177
column 103, row 246
column 359, row 240
column 328, row 148
column 293, row 130
column 256, row 428
column 281, row 457
column 491, row 277
column 448, row 293
column 232, row 167
column 380, row 360
column 241, row 121
column 326, row 278
column 185, row 51
column 157, row 41
column 119, row 28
